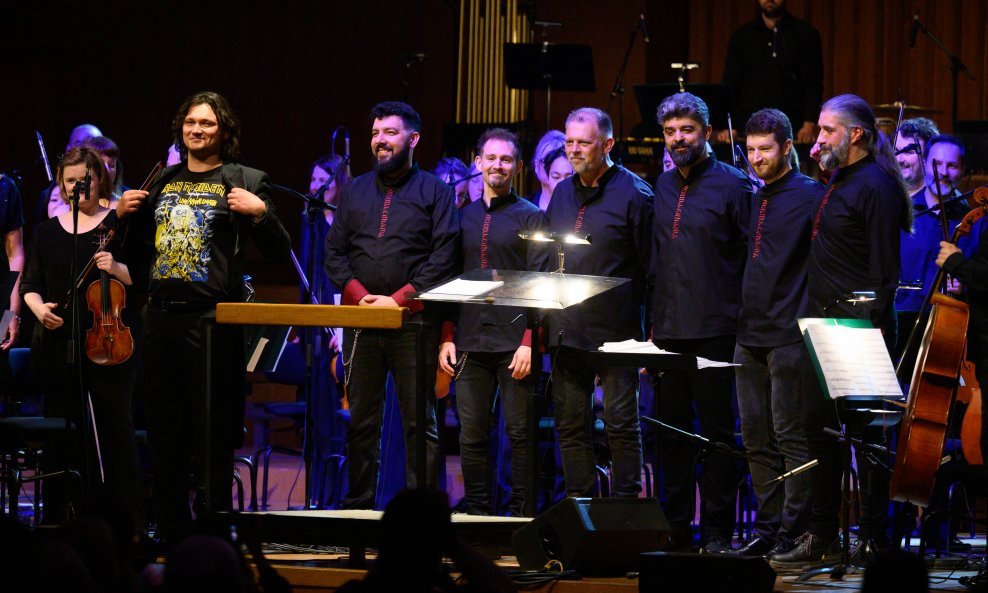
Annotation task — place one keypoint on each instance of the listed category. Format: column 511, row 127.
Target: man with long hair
column 193, row 224
column 854, row 246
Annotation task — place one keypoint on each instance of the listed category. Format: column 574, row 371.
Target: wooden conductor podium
column 347, row 316
column 311, row 315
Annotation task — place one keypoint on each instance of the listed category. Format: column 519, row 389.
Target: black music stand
column 853, row 412
column 548, row 66
column 719, row 98
column 534, row 292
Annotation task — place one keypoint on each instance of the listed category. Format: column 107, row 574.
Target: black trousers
column 111, row 427
column 178, row 433
column 375, row 354
column 683, row 399
column 826, row 479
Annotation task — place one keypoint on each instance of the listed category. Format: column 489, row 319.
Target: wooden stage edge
column 316, row 578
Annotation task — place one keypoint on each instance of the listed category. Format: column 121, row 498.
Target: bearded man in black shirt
column 770, row 348
column 854, row 246
column 395, row 233
column 702, row 209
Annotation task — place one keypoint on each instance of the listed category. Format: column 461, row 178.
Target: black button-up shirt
column 393, row 246
column 773, row 291
column 856, row 244
column 701, row 226
column 618, row 217
column 490, row 241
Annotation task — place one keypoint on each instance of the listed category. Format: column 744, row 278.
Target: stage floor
column 315, row 572
column 314, row 554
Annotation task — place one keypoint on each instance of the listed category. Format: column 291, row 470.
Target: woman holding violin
column 108, row 370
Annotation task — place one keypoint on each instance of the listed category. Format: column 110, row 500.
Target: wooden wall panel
column 866, row 48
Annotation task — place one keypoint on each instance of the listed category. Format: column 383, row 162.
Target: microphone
column 644, row 26
column 791, row 473
column 88, row 181
column 914, row 30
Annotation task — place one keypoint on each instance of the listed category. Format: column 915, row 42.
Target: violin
column 934, row 383
column 108, row 342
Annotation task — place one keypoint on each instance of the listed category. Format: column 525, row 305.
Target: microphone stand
column 74, row 351
column 618, row 88
column 705, row 447
column 314, row 207
column 956, row 65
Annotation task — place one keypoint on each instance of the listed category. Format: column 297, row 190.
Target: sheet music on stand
column 850, row 359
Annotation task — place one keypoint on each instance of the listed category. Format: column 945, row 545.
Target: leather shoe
column 681, row 542
column 808, row 550
column 956, row 545
column 758, row 546
column 782, row 545
column 716, row 545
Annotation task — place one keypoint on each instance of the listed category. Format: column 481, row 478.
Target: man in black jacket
column 193, row 225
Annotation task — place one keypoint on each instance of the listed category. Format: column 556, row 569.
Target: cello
column 934, row 383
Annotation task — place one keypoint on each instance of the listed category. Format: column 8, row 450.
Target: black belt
column 167, row 306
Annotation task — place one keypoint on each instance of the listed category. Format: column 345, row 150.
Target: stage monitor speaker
column 662, row 572
column 594, row 536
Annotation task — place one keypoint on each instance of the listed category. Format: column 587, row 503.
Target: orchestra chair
column 23, row 440
column 290, row 371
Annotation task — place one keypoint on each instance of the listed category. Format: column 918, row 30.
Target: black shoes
column 808, row 550
column 757, row 547
column 717, row 545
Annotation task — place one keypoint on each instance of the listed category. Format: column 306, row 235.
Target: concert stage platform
column 359, row 530
column 319, row 551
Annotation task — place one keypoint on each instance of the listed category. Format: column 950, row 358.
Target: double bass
column 934, row 383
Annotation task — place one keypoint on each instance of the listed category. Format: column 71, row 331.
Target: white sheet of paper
column 636, row 347
column 460, row 289
column 256, row 355
column 854, row 361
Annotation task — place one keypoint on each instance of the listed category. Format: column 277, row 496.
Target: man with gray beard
column 854, row 246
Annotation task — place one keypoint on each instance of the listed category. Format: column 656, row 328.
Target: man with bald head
column 80, row 134
column 613, row 206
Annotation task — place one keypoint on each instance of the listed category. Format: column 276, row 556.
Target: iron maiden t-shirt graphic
column 183, row 228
